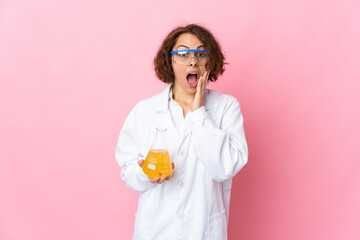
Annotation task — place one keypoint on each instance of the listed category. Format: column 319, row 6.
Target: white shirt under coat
column 208, row 148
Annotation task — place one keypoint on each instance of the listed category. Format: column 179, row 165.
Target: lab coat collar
column 163, row 105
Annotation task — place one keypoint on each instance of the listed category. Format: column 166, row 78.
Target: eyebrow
column 188, row 47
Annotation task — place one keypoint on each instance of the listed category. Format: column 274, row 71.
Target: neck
column 181, row 96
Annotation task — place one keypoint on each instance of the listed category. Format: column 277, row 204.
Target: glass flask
column 157, row 162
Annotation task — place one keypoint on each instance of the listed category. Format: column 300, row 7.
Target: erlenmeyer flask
column 157, row 162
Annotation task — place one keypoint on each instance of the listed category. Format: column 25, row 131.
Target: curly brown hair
column 162, row 61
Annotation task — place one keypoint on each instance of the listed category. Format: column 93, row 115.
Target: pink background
column 70, row 71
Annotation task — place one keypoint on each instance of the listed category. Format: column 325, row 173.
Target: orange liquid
column 157, row 163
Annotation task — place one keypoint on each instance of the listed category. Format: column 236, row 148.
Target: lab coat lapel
column 164, row 117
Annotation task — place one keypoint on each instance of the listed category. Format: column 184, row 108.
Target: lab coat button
column 180, row 183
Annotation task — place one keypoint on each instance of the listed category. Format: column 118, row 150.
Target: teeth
column 192, row 74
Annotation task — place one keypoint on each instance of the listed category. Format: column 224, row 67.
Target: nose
column 193, row 61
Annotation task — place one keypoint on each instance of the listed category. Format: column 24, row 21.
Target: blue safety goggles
column 187, row 50
column 183, row 57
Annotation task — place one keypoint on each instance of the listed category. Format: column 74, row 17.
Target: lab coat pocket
column 141, row 229
column 217, row 226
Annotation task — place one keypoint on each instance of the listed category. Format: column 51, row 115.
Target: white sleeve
column 128, row 153
column 224, row 151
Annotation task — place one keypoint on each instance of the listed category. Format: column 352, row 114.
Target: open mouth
column 192, row 79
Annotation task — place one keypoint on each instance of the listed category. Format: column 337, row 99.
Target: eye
column 201, row 54
column 182, row 54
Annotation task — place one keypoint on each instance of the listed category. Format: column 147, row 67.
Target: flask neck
column 160, row 140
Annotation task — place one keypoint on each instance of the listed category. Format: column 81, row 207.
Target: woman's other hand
column 157, row 179
column 200, row 92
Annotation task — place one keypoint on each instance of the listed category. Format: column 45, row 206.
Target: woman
column 205, row 138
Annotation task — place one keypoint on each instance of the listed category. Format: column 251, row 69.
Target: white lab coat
column 194, row 203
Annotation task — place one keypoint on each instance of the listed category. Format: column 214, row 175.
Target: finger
column 162, row 179
column 207, row 77
column 154, row 180
column 204, row 80
column 141, row 162
column 171, row 174
column 199, row 86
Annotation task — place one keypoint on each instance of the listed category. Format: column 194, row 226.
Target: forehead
column 189, row 40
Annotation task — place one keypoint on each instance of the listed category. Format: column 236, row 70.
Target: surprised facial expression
column 187, row 76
